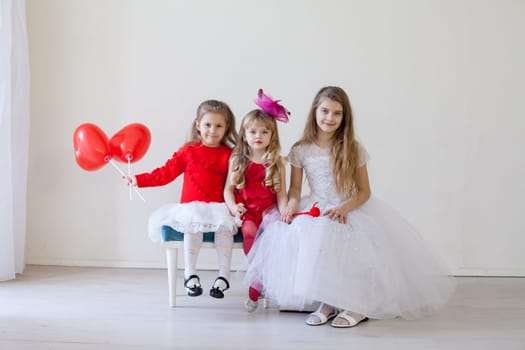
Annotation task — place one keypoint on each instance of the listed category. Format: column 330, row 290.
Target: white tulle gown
column 376, row 264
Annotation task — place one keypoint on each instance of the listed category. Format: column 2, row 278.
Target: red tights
column 249, row 231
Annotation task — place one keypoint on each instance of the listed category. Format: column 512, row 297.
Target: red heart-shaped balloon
column 91, row 147
column 130, row 143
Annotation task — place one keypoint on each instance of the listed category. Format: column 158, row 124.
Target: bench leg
column 171, row 257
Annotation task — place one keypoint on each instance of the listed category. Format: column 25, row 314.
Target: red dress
column 201, row 207
column 255, row 195
column 205, row 170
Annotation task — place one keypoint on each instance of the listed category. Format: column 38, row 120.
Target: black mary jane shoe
column 196, row 289
column 217, row 292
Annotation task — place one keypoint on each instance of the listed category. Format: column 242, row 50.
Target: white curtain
column 14, row 135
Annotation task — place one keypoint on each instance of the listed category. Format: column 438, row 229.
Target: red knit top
column 205, row 170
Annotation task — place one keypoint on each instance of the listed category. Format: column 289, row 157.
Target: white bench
column 173, row 241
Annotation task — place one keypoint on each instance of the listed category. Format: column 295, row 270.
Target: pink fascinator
column 273, row 108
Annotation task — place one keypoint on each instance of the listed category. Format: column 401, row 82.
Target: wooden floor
column 94, row 308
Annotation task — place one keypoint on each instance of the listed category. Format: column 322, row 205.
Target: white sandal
column 250, row 305
column 322, row 317
column 352, row 322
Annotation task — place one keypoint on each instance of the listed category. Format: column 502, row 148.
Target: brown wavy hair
column 344, row 149
column 242, row 153
column 230, row 135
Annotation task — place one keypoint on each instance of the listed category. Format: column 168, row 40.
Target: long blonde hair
column 344, row 149
column 230, row 135
column 241, row 154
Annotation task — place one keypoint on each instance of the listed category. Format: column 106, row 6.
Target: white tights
column 192, row 247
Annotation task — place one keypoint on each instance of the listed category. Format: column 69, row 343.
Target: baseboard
column 238, row 264
column 487, row 272
column 97, row 263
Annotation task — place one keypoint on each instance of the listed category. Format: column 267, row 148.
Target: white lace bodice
column 317, row 165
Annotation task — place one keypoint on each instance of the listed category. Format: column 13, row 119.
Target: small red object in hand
column 314, row 211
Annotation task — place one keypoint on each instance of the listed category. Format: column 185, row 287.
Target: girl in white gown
column 359, row 258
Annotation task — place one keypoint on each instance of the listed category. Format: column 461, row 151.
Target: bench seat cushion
column 169, row 234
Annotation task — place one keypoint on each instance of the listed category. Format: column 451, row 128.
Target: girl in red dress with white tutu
column 256, row 182
column 204, row 163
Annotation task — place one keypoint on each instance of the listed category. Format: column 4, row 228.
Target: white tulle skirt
column 376, row 264
column 193, row 217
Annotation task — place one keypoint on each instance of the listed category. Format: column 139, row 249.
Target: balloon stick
column 112, row 162
column 129, row 176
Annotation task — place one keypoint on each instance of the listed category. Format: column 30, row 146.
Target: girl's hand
column 338, row 214
column 238, row 210
column 287, row 214
column 130, row 180
column 285, row 217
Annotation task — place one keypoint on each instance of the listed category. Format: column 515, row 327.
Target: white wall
column 437, row 88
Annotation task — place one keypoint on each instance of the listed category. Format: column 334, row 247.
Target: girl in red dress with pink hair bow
column 256, row 183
